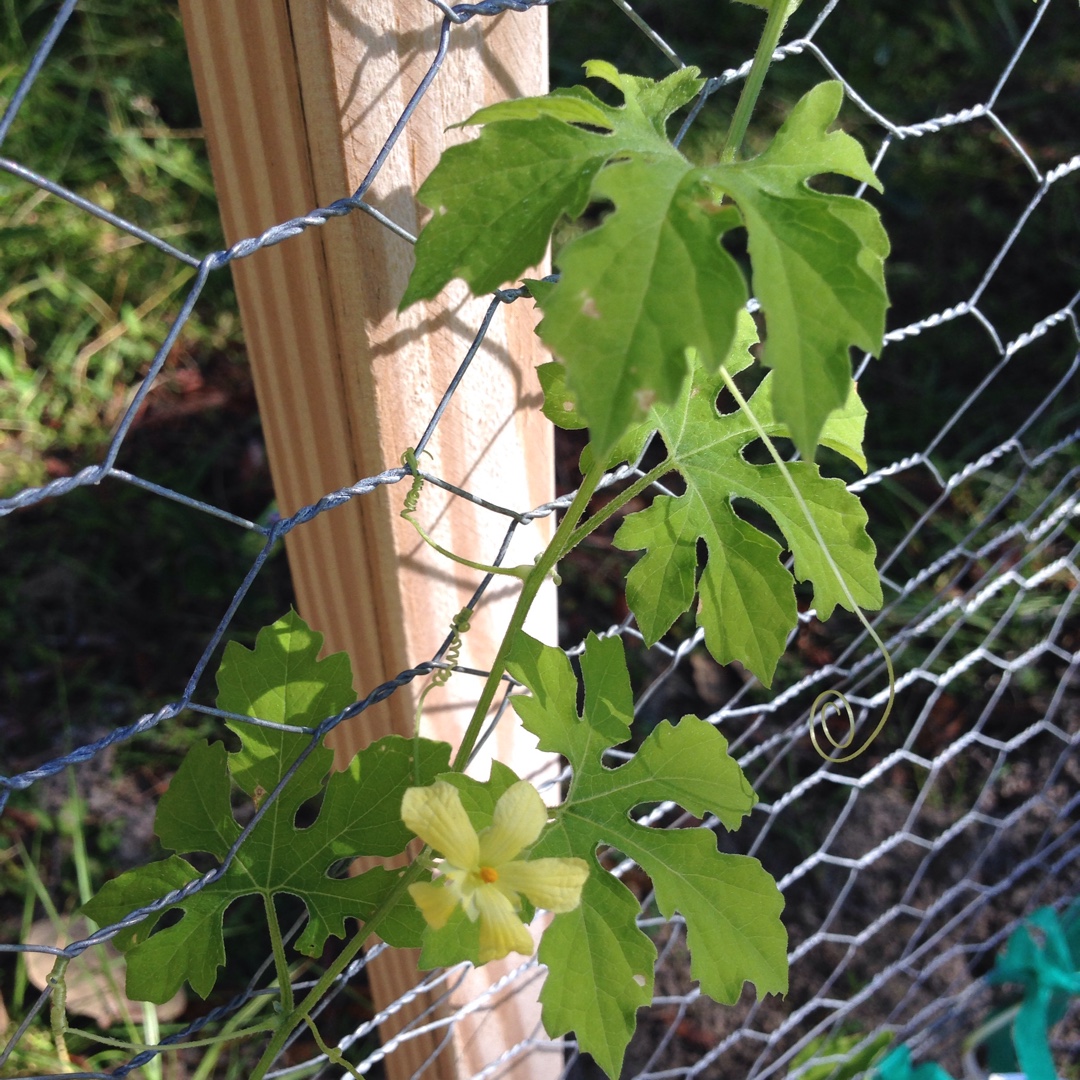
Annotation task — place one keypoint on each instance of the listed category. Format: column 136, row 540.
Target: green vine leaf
column 818, row 260
column 636, row 293
column 282, row 680
column 746, row 597
column 730, row 904
column 496, row 199
column 654, row 280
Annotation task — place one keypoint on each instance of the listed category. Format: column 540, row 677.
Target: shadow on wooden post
column 297, row 99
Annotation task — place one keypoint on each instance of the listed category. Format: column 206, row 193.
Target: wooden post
column 297, row 98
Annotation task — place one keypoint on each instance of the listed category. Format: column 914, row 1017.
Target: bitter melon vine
column 647, row 321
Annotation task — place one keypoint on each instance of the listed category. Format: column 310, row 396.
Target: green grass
column 83, row 305
column 112, row 592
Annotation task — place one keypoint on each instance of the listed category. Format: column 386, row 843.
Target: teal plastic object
column 1049, row 972
column 897, row 1066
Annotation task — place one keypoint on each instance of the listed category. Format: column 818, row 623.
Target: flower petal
column 552, row 884
column 519, row 817
column 436, row 815
column 436, row 903
column 501, row 931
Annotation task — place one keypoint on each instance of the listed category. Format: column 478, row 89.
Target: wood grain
column 297, row 99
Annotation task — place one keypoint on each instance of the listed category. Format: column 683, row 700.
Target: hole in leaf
column 308, row 811
column 595, row 129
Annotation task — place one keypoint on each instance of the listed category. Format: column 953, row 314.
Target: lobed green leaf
column 572, row 105
column 730, row 903
column 496, row 200
column 283, row 681
column 600, row 966
column 640, row 290
column 817, row 261
column 655, row 101
column 654, row 279
column 746, row 596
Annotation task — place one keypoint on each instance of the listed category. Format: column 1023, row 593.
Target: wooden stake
column 297, row 99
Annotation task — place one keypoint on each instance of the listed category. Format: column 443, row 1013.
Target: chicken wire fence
column 904, row 871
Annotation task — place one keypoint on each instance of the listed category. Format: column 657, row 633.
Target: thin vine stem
column 233, row 1028
column 779, row 13
column 58, row 1008
column 995, row 1023
column 298, row 1013
column 332, row 1053
column 139, row 1047
column 408, row 459
column 560, row 544
column 618, row 502
column 828, row 697
column 281, row 963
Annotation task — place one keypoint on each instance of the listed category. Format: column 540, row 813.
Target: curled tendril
column 412, row 499
column 827, row 699
column 460, row 624
column 408, row 459
column 835, row 700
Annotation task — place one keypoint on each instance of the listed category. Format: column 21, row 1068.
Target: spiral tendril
column 412, row 500
column 460, row 624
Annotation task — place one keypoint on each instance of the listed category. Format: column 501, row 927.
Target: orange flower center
column 488, row 874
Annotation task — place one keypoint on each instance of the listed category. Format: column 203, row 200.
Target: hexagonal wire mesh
column 904, row 871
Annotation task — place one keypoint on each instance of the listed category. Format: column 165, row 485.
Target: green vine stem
column 408, row 459
column 234, row 1028
column 560, row 544
column 612, row 507
column 779, row 13
column 989, row 1027
column 567, row 536
column 827, row 698
column 58, row 1010
column 332, row 1053
column 140, row 1047
column 299, row 1012
column 281, row 963
column 545, row 565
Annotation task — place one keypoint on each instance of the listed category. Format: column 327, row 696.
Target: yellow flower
column 482, row 871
